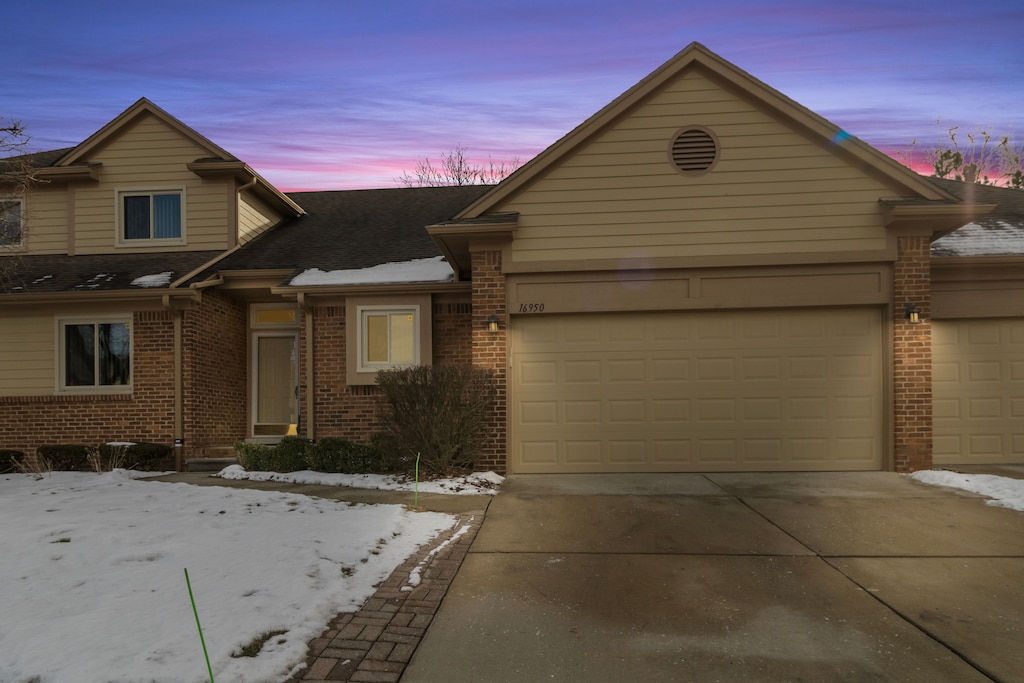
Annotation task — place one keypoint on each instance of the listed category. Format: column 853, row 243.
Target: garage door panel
column 978, row 390
column 780, row 390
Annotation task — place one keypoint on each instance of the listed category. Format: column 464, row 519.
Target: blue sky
column 319, row 94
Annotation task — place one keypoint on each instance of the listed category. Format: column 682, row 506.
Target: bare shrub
column 439, row 413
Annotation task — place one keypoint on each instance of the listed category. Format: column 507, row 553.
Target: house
column 703, row 276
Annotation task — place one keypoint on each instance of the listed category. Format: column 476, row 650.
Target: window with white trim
column 95, row 354
column 11, row 221
column 388, row 337
column 150, row 216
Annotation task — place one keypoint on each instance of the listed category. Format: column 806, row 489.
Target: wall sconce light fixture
column 492, row 323
column 913, row 314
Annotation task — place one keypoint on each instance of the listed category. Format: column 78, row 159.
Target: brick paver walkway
column 376, row 643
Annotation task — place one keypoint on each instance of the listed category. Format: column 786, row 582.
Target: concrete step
column 208, row 464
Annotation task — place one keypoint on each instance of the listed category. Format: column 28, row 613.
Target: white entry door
column 275, row 383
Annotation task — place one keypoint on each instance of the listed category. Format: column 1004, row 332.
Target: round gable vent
column 694, row 151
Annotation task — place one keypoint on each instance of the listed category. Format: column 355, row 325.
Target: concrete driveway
column 733, row 577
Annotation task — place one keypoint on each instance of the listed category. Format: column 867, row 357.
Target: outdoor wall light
column 913, row 314
column 492, row 323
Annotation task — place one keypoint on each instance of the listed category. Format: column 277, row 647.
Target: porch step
column 208, row 464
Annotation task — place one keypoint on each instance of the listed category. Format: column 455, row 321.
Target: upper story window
column 11, row 223
column 146, row 216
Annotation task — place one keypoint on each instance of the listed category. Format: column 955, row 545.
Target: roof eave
column 455, row 239
column 147, row 295
column 306, row 293
column 938, row 218
column 244, row 174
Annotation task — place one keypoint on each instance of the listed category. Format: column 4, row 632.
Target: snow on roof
column 158, row 280
column 419, row 270
column 995, row 238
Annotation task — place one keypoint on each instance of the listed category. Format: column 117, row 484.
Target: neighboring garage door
column 978, row 391
column 697, row 391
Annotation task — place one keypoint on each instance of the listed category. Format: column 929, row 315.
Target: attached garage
column 766, row 390
column 978, row 385
column 706, row 276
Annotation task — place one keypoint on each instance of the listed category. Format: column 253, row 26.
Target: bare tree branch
column 982, row 158
column 15, row 178
column 455, row 168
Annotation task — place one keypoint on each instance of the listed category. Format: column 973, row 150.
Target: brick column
column 490, row 350
column 912, row 356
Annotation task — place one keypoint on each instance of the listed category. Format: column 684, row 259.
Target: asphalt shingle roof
column 1000, row 233
column 94, row 272
column 352, row 229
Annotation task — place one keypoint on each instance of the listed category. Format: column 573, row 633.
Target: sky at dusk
column 318, row 94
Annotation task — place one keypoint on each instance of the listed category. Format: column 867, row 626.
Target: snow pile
column 1003, row 491
column 158, row 280
column 475, row 484
column 93, row 588
column 419, row 270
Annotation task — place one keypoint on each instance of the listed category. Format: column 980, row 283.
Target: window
column 95, row 354
column 385, row 331
column 388, row 337
column 150, row 216
column 10, row 222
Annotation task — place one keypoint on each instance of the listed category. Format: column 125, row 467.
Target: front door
column 275, row 384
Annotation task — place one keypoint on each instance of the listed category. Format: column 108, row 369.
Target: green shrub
column 255, row 457
column 440, row 412
column 340, row 455
column 8, row 459
column 289, row 455
column 64, row 457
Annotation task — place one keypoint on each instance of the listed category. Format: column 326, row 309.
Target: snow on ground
column 92, row 583
column 477, row 483
column 1004, row 491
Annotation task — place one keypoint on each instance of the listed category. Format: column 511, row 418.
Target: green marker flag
column 416, row 498
column 196, row 612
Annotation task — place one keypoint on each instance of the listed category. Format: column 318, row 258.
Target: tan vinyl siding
column 771, row 192
column 150, row 155
column 254, row 218
column 27, row 355
column 46, row 221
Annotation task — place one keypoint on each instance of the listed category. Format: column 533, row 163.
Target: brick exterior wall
column 215, row 374
column 912, row 356
column 351, row 412
column 147, row 414
column 490, row 351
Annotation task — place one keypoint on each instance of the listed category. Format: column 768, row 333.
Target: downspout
column 307, row 318
column 178, row 407
column 179, row 395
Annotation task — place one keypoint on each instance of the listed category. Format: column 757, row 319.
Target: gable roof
column 140, row 107
column 215, row 161
column 696, row 56
column 351, row 229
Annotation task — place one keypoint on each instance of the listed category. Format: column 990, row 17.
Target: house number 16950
column 531, row 308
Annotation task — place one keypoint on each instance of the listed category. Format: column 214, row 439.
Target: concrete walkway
column 733, row 577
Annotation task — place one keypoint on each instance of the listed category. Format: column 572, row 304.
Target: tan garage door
column 698, row 391
column 978, row 391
